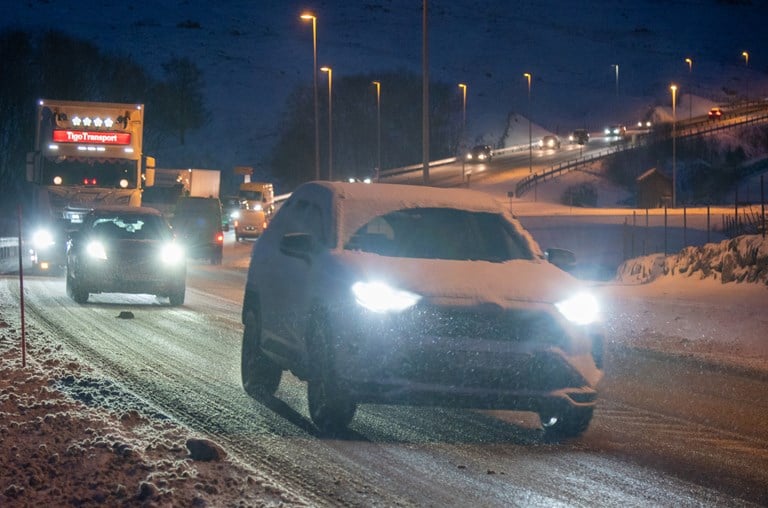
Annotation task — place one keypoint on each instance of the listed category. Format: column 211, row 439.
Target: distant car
column 230, row 208
column 715, row 113
column 399, row 294
column 480, row 153
column 644, row 124
column 251, row 222
column 579, row 136
column 198, row 226
column 549, row 143
column 615, row 131
column 125, row 250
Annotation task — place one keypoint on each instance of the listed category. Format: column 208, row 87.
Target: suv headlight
column 172, row 254
column 96, row 250
column 380, row 297
column 581, row 308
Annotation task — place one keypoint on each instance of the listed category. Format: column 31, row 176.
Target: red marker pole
column 21, row 299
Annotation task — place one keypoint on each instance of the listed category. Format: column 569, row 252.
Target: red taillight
column 219, row 237
column 89, row 181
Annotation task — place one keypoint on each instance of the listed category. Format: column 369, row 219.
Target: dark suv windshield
column 130, row 227
column 441, row 233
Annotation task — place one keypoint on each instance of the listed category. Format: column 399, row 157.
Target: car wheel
column 176, row 297
column 260, row 375
column 74, row 290
column 330, row 407
column 565, row 424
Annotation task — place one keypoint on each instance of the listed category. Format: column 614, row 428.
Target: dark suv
column 198, row 226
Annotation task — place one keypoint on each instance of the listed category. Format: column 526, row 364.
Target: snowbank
column 73, row 438
column 742, row 259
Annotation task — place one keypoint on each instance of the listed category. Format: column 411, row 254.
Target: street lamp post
column 616, row 66
column 673, row 88
column 378, row 128
column 313, row 18
column 745, row 54
column 527, row 75
column 330, row 120
column 689, row 61
column 463, row 88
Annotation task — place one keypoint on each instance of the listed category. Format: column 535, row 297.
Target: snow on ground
column 71, row 438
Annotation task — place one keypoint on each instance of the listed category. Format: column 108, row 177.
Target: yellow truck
column 258, row 196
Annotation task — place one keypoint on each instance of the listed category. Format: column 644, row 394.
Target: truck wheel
column 330, row 407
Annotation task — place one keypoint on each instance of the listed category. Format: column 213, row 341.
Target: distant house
column 654, row 189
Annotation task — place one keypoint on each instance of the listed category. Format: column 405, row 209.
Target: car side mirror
column 561, row 258
column 298, row 245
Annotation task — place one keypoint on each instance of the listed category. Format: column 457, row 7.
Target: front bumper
column 105, row 278
column 524, row 360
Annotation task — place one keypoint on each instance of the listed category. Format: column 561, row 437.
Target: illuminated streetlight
column 673, row 88
column 689, row 61
column 527, row 75
column 330, row 120
column 745, row 54
column 463, row 88
column 378, row 128
column 311, row 17
column 616, row 66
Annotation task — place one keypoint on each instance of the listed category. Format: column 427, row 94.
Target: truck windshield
column 251, row 195
column 90, row 172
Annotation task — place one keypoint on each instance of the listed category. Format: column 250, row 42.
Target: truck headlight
column 581, row 308
column 96, row 250
column 42, row 238
column 380, row 297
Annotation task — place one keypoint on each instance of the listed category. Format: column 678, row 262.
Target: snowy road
column 665, row 433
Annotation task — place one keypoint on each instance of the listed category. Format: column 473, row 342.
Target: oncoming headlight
column 581, row 308
column 96, row 250
column 380, row 297
column 172, row 254
column 42, row 238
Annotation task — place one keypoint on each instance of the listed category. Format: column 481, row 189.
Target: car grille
column 492, row 324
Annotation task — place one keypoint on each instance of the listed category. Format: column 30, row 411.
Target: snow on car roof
column 357, row 203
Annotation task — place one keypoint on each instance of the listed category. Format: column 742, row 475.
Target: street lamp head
column 673, row 88
column 326, row 69
column 308, row 16
column 462, row 85
column 689, row 62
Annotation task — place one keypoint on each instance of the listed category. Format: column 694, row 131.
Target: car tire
column 74, row 290
column 330, row 407
column 176, row 297
column 260, row 375
column 565, row 424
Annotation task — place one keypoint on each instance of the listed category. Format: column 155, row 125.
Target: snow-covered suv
column 397, row 294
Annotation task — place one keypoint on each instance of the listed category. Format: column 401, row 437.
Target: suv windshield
column 130, row 227
column 441, row 233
